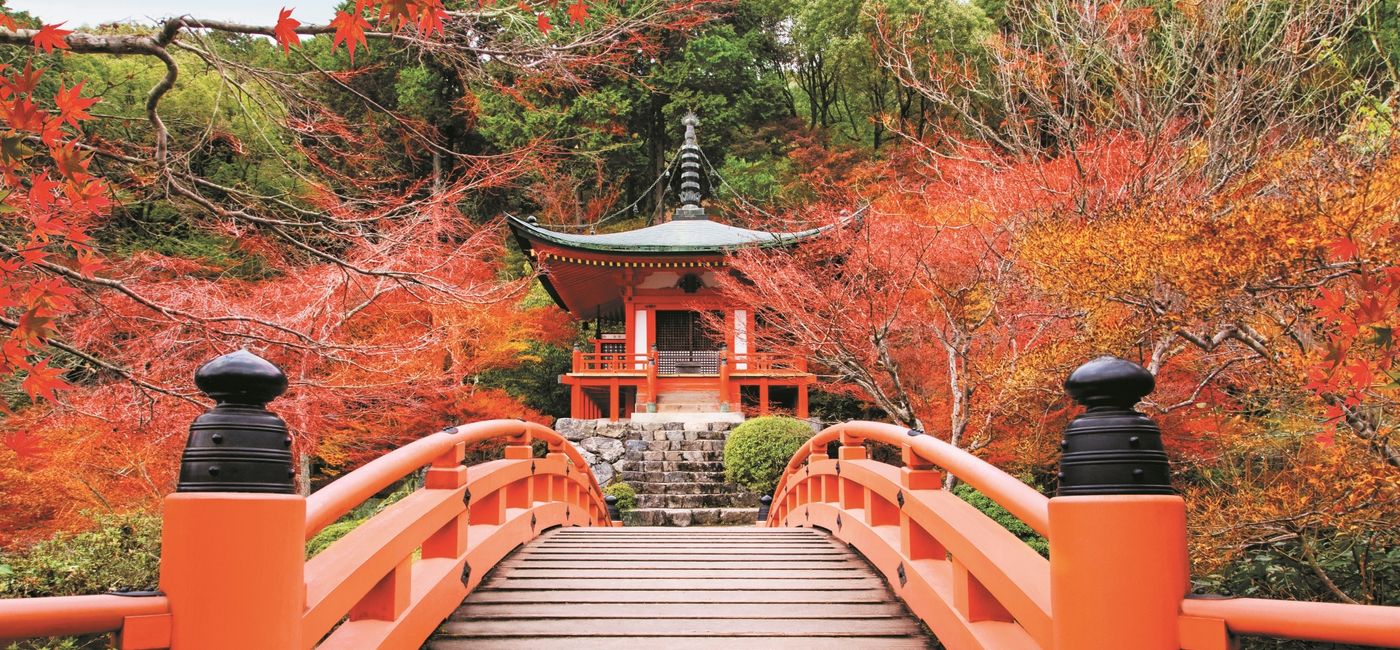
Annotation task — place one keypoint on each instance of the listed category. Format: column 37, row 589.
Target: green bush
column 352, row 520
column 626, row 496
column 121, row 553
column 758, row 451
column 1004, row 517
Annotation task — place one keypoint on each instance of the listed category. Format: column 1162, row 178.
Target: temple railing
column 707, row 362
column 1118, row 574
column 233, row 568
column 609, row 363
column 765, row 363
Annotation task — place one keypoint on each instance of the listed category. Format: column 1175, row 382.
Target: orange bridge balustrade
column 233, row 569
column 1118, row 575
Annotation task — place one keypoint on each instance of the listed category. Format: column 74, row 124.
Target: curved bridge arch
column 233, row 573
column 1117, row 574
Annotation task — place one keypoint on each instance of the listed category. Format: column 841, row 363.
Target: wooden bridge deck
column 679, row 588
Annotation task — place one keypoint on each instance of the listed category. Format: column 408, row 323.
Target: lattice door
column 684, row 346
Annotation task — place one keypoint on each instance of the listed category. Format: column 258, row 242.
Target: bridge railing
column 1118, row 573
column 233, row 568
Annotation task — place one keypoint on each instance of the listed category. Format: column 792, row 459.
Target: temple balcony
column 687, row 363
column 683, row 385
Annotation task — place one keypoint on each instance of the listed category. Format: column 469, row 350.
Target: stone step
column 678, row 456
column 686, row 436
column 634, row 477
column 689, row 396
column 728, row 500
column 688, row 407
column 639, row 450
column 675, row 466
column 689, row 516
column 685, row 488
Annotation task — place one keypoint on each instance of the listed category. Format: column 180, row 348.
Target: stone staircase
column 679, row 478
column 688, row 401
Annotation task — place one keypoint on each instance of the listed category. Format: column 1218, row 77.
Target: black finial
column 1109, row 381
column 613, row 513
column 238, row 446
column 765, row 503
column 241, row 378
column 1110, row 448
column 690, row 172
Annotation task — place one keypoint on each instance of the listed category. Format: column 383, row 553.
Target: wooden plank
column 681, row 627
column 713, row 565
column 834, row 556
column 684, row 643
column 737, row 588
column 717, row 584
column 699, row 573
column 797, row 596
column 677, row 610
column 684, row 551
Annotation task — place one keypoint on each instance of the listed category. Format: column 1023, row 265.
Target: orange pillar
column 802, row 401
column 651, row 380
column 724, row 388
column 231, row 565
column 763, row 397
column 613, row 390
column 1118, row 571
column 1118, row 561
column 233, row 535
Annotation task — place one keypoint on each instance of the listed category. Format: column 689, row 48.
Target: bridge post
column 233, row 532
column 918, row 473
column 1118, row 560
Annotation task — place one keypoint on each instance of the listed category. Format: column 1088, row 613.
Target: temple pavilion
column 654, row 353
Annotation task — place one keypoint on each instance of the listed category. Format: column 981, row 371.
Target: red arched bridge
column 522, row 551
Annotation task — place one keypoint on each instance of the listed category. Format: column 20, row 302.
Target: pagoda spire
column 690, row 195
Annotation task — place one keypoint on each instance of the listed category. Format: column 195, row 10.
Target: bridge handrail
column 1019, row 499
column 1118, row 573
column 71, row 615
column 366, row 574
column 331, row 502
column 1372, row 625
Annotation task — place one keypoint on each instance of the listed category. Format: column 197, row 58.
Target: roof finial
column 690, row 172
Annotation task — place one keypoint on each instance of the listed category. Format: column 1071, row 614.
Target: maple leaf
column 43, row 381
column 25, row 444
column 70, row 162
column 50, row 37
column 396, row 12
column 23, row 115
column 430, row 17
column 1344, row 249
column 350, row 30
column 286, row 30
column 542, row 21
column 72, row 106
column 1361, row 376
column 1330, row 303
column 25, row 82
column 578, row 12
column 8, row 23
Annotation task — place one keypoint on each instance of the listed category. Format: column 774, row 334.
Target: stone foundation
column 677, row 469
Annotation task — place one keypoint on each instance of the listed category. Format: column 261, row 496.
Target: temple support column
column 614, row 413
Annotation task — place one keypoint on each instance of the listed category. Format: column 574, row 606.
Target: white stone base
column 642, row 417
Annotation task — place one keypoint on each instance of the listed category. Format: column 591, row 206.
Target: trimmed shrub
column 758, row 451
column 626, row 496
column 1004, row 517
column 122, row 552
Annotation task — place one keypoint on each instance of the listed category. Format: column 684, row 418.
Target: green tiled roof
column 681, row 236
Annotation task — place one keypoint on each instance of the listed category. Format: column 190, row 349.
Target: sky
column 95, row 12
